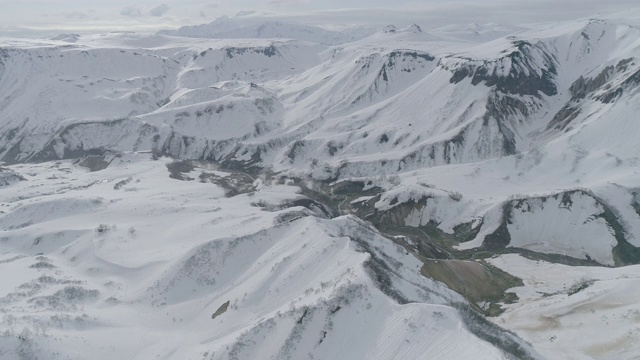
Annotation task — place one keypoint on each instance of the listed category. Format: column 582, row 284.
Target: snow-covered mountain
column 225, row 27
column 339, row 182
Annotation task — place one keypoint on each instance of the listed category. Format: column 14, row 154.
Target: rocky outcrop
column 531, row 71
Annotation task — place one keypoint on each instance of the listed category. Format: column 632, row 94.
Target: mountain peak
column 389, row 29
column 66, row 37
column 413, row 28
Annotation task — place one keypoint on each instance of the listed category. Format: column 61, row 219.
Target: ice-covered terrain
column 340, row 179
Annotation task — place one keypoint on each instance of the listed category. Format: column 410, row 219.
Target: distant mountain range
column 244, row 28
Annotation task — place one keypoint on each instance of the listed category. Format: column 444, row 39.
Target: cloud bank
column 152, row 15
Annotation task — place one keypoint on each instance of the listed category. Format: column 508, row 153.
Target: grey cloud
column 75, row 16
column 159, row 10
column 131, row 11
column 287, row 2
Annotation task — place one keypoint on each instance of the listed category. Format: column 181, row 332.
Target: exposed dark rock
column 397, row 215
column 94, row 163
column 632, row 81
column 178, row 169
column 564, row 117
column 623, row 65
column 350, row 187
column 635, row 202
column 267, row 51
column 9, row 177
column 14, row 154
column 314, row 206
column 500, row 238
column 235, row 183
column 221, row 310
column 623, row 253
column 467, row 231
column 297, row 145
column 581, row 87
column 383, row 73
column 460, row 74
column 524, row 77
column 610, row 96
column 389, row 29
column 492, row 333
column 398, row 54
column 332, row 148
column 453, row 144
column 501, row 109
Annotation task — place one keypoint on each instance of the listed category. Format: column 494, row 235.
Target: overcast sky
column 151, row 15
